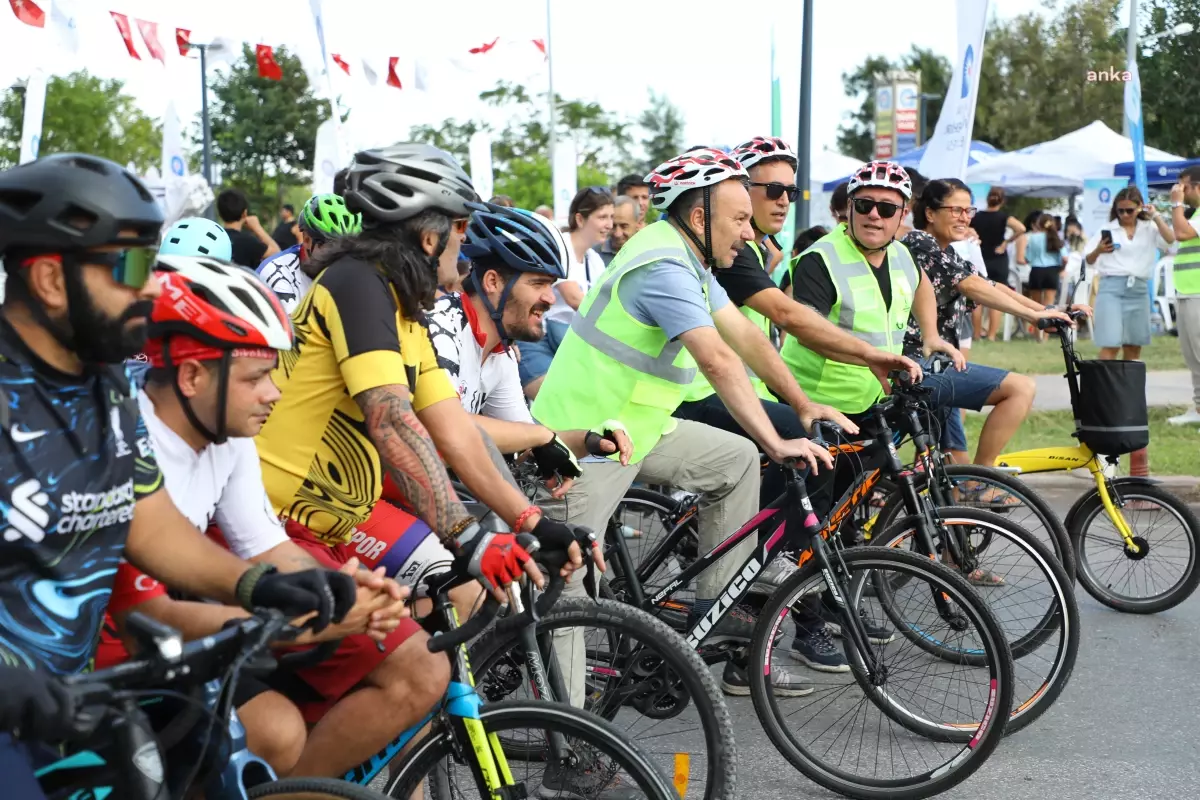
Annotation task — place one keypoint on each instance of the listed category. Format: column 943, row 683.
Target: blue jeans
column 1122, row 312
column 536, row 356
column 953, row 390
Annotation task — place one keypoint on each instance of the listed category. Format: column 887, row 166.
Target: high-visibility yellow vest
column 1187, row 262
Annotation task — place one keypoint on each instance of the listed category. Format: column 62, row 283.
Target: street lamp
column 205, row 133
column 1182, row 29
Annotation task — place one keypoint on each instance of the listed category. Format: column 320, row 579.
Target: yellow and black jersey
column 319, row 466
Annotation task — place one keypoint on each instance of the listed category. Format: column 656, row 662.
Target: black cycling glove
column 555, row 460
column 330, row 594
column 605, row 433
column 35, row 704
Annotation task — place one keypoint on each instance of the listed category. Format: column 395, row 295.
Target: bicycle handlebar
column 1051, row 323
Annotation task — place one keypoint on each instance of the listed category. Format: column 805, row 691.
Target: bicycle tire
column 430, row 751
column 978, row 739
column 682, row 661
column 1055, row 532
column 314, row 787
column 1061, row 614
column 1090, row 509
column 661, row 505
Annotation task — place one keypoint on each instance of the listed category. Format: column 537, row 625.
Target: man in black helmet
column 79, row 484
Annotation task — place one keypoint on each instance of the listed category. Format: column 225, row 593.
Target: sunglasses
column 129, row 267
column 864, row 206
column 460, row 225
column 776, row 190
column 1126, row 211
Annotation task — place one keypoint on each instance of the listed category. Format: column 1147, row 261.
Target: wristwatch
column 1178, row 205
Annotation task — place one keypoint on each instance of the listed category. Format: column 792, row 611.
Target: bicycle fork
column 837, row 581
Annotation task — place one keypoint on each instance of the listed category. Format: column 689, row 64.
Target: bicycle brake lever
column 591, row 583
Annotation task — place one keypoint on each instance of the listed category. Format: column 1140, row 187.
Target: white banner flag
column 565, row 177
column 947, row 151
column 35, row 106
column 326, row 158
column 479, row 149
column 174, row 161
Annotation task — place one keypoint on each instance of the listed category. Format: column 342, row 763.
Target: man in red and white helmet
column 216, row 332
column 655, row 319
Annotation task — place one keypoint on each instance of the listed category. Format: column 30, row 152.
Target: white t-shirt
column 1135, row 257
column 222, row 483
column 281, row 272
column 487, row 386
column 583, row 273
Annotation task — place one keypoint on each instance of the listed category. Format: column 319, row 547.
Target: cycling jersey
column 319, row 465
column 489, row 384
column 282, row 273
column 75, row 458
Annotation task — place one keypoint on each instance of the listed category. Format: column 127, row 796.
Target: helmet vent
column 19, row 202
column 79, row 219
column 142, row 191
column 249, row 301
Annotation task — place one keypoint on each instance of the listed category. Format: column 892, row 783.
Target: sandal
column 992, row 497
column 982, row 577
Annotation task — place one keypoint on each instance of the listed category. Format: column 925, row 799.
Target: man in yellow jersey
column 363, row 396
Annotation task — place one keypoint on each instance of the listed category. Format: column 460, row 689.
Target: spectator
column 339, row 181
column 1185, row 197
column 591, row 220
column 503, row 200
column 635, row 186
column 839, row 203
column 991, row 225
column 285, row 232
column 626, row 223
column 250, row 242
column 1047, row 258
column 804, row 240
column 918, row 186
column 1074, row 236
column 545, row 211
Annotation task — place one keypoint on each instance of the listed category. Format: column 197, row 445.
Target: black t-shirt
column 283, row 235
column 815, row 288
column 248, row 249
column 745, row 277
column 991, row 226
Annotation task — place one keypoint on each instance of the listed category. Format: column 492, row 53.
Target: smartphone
column 1106, row 236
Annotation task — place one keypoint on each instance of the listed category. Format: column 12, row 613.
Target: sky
column 712, row 60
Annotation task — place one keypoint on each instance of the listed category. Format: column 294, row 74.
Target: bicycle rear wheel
column 314, row 789
column 601, row 757
column 868, row 733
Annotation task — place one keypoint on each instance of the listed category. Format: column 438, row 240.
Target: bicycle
column 1124, row 502
column 461, row 730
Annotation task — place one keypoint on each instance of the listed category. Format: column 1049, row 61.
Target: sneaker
column 737, row 625
column 775, row 573
column 816, row 650
column 876, row 633
column 577, row 782
column 1189, row 417
column 734, row 682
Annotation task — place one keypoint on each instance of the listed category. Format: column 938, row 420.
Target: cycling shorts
column 397, row 541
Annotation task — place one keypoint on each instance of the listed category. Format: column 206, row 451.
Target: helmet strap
column 705, row 247
column 221, row 434
column 496, row 312
column 443, row 242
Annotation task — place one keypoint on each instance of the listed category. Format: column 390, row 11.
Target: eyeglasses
column 1125, row 211
column 959, row 211
column 864, row 206
column 776, row 190
column 460, row 225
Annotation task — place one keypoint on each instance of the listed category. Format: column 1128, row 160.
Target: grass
column 1030, row 358
column 1173, row 451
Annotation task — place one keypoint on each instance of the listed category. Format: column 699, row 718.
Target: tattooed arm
column 410, row 456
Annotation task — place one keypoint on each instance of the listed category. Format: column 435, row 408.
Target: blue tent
column 980, row 151
column 1158, row 173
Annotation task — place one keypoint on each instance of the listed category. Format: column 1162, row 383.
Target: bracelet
column 244, row 590
column 525, row 515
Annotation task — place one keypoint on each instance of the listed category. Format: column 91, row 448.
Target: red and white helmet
column 886, row 174
column 208, row 308
column 761, row 148
column 704, row 166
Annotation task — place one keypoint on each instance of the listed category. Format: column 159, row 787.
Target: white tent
column 1061, row 165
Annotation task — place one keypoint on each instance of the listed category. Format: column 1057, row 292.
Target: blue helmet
column 196, row 236
column 516, row 238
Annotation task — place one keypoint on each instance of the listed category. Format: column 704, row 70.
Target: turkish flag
column 341, row 62
column 540, row 44
column 483, row 48
column 182, row 38
column 268, row 67
column 393, row 79
column 149, row 31
column 29, row 12
column 126, row 33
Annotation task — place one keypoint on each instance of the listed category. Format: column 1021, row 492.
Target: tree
column 264, row 132
column 1169, row 79
column 84, row 114
column 663, row 123
column 858, row 137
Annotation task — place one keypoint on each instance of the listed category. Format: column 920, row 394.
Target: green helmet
column 325, row 216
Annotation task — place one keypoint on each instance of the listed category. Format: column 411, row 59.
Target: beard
column 99, row 339
column 523, row 330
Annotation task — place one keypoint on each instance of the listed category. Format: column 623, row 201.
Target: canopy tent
column 1060, row 166
column 980, row 151
column 1158, row 173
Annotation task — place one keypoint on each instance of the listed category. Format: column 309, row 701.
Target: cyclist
column 196, row 236
column 633, row 350
column 81, row 484
column 323, row 218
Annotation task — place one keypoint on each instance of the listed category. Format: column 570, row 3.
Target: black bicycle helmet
column 74, row 201
column 392, row 184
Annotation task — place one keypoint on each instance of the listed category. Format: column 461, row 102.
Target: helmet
column 885, row 174
column 196, row 236
column 699, row 167
column 325, row 216
column 522, row 241
column 392, row 184
column 72, row 201
column 761, row 148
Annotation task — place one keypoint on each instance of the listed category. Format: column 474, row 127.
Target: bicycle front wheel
column 600, row 759
column 314, row 789
column 909, row 726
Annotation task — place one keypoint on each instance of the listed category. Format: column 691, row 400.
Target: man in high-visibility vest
column 1185, row 195
column 630, row 357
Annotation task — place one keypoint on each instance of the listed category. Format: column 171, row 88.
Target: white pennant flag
column 421, row 76
column 369, row 73
column 35, row 106
column 326, row 158
column 174, row 162
column 64, row 24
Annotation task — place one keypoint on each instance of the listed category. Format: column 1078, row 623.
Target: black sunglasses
column 864, row 205
column 776, row 190
column 1127, row 210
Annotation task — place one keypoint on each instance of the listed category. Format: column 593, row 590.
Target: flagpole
column 803, row 145
column 206, row 133
column 550, row 82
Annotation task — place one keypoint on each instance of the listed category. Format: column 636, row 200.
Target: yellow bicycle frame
column 488, row 752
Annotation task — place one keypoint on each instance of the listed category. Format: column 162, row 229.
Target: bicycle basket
column 1111, row 418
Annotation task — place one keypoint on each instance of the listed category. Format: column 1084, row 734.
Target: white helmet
column 761, row 148
column 884, row 174
column 703, row 166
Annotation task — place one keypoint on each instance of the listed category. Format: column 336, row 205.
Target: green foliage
column 83, row 114
column 264, row 132
column 858, row 137
column 1170, row 80
column 663, row 123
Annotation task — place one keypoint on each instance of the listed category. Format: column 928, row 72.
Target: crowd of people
column 305, row 405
